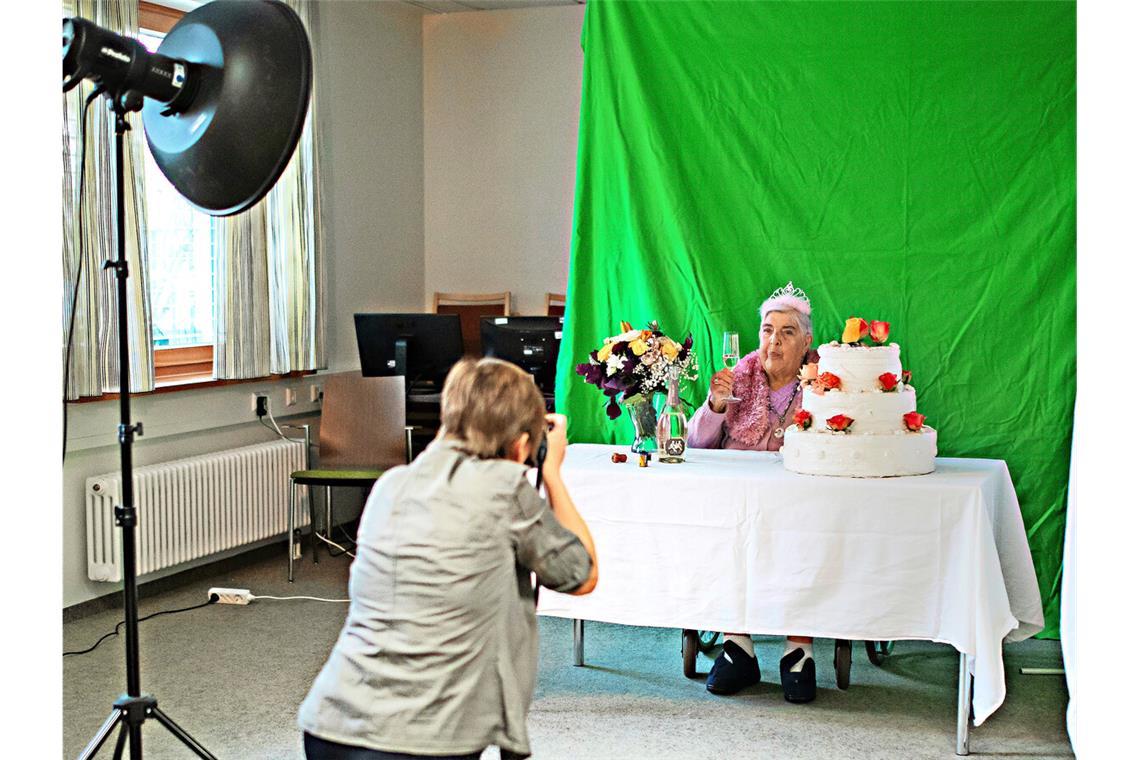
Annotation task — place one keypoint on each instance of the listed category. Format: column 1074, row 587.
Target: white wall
column 369, row 71
column 501, row 97
column 371, row 80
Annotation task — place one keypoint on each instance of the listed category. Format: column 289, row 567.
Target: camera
column 540, row 454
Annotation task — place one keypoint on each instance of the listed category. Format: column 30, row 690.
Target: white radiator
column 194, row 507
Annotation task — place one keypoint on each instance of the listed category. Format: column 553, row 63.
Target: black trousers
column 321, row 749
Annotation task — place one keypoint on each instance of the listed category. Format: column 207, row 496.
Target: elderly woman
column 766, row 383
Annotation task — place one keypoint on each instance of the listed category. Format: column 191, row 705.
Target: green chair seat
column 362, row 478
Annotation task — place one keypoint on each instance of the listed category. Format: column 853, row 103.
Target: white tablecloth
column 730, row 541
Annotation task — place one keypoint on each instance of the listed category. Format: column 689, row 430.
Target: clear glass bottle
column 672, row 423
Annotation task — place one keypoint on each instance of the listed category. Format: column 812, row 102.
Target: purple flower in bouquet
column 592, row 371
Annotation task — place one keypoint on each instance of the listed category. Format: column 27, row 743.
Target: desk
column 731, row 541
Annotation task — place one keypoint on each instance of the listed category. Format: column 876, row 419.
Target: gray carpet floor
column 233, row 676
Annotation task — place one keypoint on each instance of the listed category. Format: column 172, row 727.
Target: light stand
column 134, row 707
column 222, row 141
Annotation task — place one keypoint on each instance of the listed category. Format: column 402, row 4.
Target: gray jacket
column 440, row 648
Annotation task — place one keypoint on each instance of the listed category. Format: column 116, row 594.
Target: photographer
column 438, row 654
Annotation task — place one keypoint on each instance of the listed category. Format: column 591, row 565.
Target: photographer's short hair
column 487, row 403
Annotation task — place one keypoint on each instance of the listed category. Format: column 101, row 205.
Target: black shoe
column 733, row 670
column 798, row 687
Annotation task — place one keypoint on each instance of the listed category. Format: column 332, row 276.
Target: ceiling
column 459, row 6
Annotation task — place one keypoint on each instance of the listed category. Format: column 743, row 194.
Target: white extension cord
column 243, row 596
column 330, row 542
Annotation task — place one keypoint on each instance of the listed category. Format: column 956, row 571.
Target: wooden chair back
column 471, row 307
column 555, row 304
column 362, row 421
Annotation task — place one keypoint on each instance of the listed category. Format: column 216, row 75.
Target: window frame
column 184, row 364
column 158, row 18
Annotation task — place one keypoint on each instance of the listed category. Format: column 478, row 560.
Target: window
column 180, row 241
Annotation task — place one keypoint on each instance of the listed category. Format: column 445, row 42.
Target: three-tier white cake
column 858, row 418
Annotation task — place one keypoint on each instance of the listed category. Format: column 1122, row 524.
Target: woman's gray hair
column 803, row 319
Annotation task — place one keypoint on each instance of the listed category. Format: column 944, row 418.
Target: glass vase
column 643, row 415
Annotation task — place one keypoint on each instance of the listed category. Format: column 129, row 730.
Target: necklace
column 779, row 431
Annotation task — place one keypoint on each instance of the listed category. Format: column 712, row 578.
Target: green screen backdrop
column 910, row 162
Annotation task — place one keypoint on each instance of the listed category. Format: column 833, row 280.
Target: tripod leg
column 135, row 732
column 182, row 736
column 101, row 736
column 120, row 743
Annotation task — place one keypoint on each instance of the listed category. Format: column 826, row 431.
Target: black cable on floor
column 347, row 538
column 212, row 600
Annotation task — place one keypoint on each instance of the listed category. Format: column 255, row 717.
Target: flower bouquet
column 634, row 365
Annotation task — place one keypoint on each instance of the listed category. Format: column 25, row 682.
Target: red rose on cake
column 888, row 382
column 839, row 423
column 913, row 421
column 880, row 331
column 826, row 382
column 803, row 419
column 906, row 376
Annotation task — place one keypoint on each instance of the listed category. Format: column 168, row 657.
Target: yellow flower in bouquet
column 638, row 347
column 605, row 351
column 670, row 348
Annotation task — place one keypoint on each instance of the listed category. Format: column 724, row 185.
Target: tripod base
column 129, row 714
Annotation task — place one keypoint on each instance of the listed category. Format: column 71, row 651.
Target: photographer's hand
column 560, row 503
column 555, row 444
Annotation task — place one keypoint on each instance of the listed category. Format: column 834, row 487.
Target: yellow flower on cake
column 854, row 330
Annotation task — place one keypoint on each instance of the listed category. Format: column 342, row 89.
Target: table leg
column 965, row 682
column 579, row 649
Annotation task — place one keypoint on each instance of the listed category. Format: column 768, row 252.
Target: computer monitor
column 421, row 347
column 529, row 342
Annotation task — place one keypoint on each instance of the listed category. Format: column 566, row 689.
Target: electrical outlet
column 316, row 393
column 290, row 397
column 231, row 595
column 259, row 404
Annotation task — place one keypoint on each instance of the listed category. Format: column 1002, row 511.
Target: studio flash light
column 223, row 99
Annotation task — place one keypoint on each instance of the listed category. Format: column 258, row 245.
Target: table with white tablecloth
column 731, row 541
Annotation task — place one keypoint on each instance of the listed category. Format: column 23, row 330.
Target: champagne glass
column 731, row 356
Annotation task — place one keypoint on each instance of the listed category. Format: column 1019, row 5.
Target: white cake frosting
column 859, row 367
column 873, row 412
column 875, row 455
column 877, row 443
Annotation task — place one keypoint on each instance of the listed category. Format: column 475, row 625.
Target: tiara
column 787, row 297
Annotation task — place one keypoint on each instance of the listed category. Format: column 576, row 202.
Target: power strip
column 231, row 595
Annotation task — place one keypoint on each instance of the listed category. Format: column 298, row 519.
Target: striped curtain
column 89, row 233
column 241, row 295
column 269, row 298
